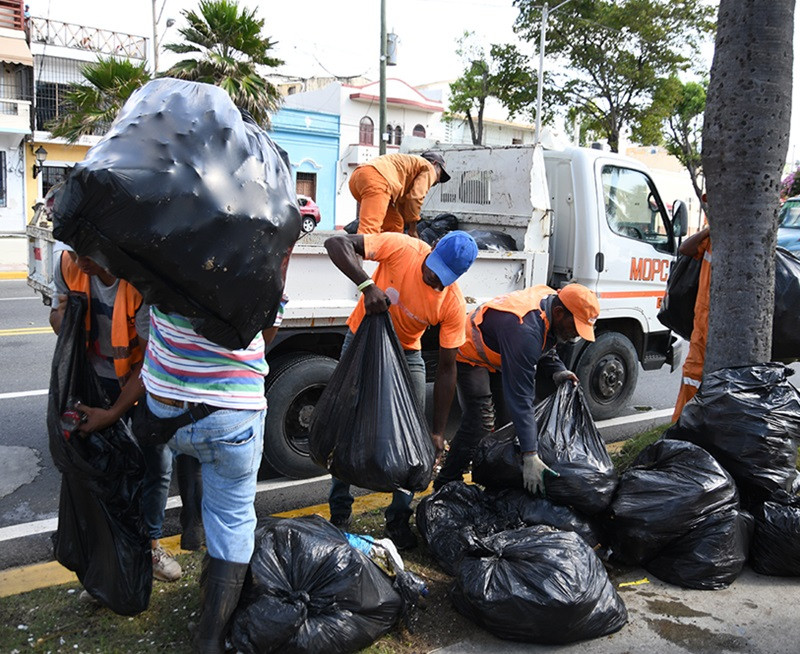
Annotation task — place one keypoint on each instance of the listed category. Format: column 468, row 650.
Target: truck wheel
column 293, row 388
column 608, row 370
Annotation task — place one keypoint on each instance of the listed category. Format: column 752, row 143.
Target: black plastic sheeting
column 455, row 517
column 101, row 535
column 190, row 201
column 493, row 240
column 677, row 307
column 537, row 585
column 368, row 429
column 710, row 556
column 431, row 231
column 671, row 488
column 776, row 542
column 748, row 419
column 309, row 591
column 569, row 443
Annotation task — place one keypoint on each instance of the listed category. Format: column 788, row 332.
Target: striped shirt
column 182, row 365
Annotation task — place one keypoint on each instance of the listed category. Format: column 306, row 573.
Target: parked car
column 789, row 225
column 310, row 213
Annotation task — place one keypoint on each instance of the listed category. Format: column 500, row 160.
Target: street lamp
column 41, row 156
column 545, row 13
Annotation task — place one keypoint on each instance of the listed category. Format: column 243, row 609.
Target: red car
column 310, row 213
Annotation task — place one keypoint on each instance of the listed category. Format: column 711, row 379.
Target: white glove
column 564, row 375
column 533, row 472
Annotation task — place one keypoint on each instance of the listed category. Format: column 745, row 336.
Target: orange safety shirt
column 410, row 178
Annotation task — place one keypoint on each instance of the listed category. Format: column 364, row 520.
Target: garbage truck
column 575, row 215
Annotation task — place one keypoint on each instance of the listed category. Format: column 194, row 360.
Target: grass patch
column 624, row 456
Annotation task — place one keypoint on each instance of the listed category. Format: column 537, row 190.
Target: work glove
column 564, row 375
column 533, row 472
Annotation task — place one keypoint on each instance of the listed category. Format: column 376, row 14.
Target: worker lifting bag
column 191, row 202
column 100, row 535
column 367, row 428
column 537, row 585
column 308, row 590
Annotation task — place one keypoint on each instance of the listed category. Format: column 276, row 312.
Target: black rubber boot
column 399, row 531
column 220, row 587
column 190, row 484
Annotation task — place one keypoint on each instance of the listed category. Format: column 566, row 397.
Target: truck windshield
column 789, row 215
column 633, row 208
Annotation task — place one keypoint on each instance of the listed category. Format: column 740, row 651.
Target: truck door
column 636, row 242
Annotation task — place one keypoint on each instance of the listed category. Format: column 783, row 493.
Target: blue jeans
column 228, row 444
column 158, row 472
column 340, row 500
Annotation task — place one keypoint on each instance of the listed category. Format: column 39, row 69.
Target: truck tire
column 293, row 387
column 608, row 370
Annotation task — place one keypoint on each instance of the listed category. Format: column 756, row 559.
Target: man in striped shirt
column 183, row 370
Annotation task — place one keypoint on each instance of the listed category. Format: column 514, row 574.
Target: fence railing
column 92, row 39
column 11, row 14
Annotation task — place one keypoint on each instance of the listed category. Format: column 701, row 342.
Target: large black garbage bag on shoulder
column 776, row 541
column 748, row 419
column 455, row 517
column 785, row 334
column 710, row 556
column 671, row 488
column 309, row 591
column 101, row 535
column 537, row 585
column 569, row 443
column 368, row 429
column 190, row 201
column 677, row 307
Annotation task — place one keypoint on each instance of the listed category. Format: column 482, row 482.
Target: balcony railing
column 11, row 16
column 91, row 39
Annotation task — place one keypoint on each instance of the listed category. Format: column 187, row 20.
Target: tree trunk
column 745, row 138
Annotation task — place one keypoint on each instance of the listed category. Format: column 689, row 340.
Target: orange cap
column 582, row 304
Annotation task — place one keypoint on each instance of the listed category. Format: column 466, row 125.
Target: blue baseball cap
column 452, row 256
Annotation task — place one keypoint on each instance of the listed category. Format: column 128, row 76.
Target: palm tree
column 227, row 47
column 90, row 108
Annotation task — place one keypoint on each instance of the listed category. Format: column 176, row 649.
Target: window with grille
column 306, row 184
column 419, row 130
column 366, row 131
column 52, row 175
column 398, row 135
column 3, row 180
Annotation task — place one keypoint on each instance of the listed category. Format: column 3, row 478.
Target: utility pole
column 540, row 80
column 382, row 85
column 155, row 39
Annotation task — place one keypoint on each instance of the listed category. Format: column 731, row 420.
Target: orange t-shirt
column 415, row 305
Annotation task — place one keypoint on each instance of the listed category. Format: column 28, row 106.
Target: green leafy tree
column 504, row 74
column 614, row 52
column 226, row 48
column 90, row 108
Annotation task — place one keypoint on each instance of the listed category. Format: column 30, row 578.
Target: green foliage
column 505, row 74
column 624, row 457
column 226, row 47
column 90, row 108
column 615, row 52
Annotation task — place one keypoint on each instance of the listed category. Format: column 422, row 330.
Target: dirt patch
column 674, row 609
column 696, row 639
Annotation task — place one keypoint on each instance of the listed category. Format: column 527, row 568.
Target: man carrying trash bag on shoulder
column 417, row 286
column 515, row 335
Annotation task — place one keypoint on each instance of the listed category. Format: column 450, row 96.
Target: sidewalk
column 13, row 257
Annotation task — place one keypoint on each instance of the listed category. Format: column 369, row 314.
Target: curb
column 13, row 274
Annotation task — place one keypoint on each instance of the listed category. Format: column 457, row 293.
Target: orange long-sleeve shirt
column 410, row 178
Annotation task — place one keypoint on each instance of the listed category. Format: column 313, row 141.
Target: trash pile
column 181, row 166
column 310, row 590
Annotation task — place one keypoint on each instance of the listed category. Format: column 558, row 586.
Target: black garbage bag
column 367, row 429
column 431, row 231
column 493, row 240
column 569, row 443
column 537, row 585
column 101, row 535
column 351, row 227
column 677, row 307
column 455, row 517
column 190, row 201
column 748, row 419
column 710, row 556
column 309, row 591
column 776, row 542
column 669, row 490
column 785, row 334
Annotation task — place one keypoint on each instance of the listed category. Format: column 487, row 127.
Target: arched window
column 398, row 135
column 419, row 130
column 366, row 130
column 389, row 134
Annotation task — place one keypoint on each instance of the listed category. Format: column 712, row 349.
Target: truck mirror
column 680, row 219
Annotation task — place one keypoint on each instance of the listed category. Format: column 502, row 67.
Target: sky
column 342, row 37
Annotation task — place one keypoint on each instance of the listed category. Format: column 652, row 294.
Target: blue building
column 311, row 139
